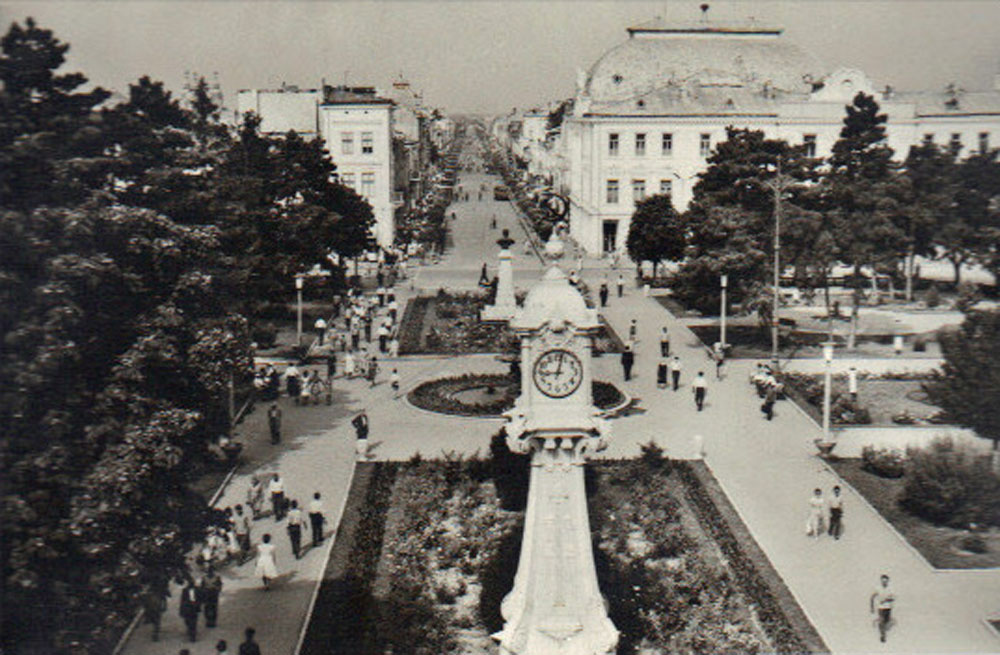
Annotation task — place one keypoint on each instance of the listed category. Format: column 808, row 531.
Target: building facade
column 649, row 112
column 356, row 126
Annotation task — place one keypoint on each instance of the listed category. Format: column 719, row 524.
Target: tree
column 968, row 384
column 928, row 185
column 974, row 212
column 656, row 232
column 731, row 217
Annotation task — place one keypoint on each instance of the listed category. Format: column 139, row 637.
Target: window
column 347, row 143
column 928, row 139
column 984, row 142
column 612, row 195
column 705, row 145
column 367, row 184
column 638, row 190
column 367, row 143
column 667, row 144
column 666, row 187
column 956, row 142
column 809, row 140
column 347, row 179
column 613, row 144
column 640, row 145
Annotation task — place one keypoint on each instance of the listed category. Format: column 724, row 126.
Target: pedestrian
column 493, row 222
column 368, row 328
column 836, row 514
column 700, row 386
column 814, row 526
column 190, row 608
column 277, row 490
column 603, row 293
column 770, row 397
column 628, row 360
column 675, row 371
column 380, row 294
column 210, row 589
column 154, row 604
column 393, row 309
column 267, row 566
column 719, row 355
column 294, row 528
column 527, row 246
column 664, row 342
column 372, row 370
column 379, row 276
column 360, row 423
column 852, row 384
column 661, row 373
column 331, row 365
column 243, row 526
column 249, row 646
column 255, row 496
column 394, row 347
column 484, row 278
column 621, row 285
column 355, row 334
column 316, row 387
column 320, row 327
column 305, row 393
column 394, row 380
column 633, row 330
column 383, row 339
column 882, row 600
column 316, row 518
column 349, row 364
column 293, row 381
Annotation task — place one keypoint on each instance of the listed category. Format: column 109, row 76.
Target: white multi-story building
column 355, row 124
column 650, row 111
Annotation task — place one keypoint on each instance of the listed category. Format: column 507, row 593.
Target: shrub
column 883, row 462
column 968, row 295
column 652, row 455
column 933, row 297
column 973, row 543
column 951, row 484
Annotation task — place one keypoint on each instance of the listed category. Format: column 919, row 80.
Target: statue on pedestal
column 504, row 304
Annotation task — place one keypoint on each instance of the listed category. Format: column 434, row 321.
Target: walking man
column 719, row 355
column 664, row 342
column 249, row 646
column 881, row 601
column 675, row 372
column 154, row 604
column 320, row 327
column 274, row 422
column 836, row 513
column 316, row 519
column 211, row 589
column 360, row 423
column 604, row 293
column 190, row 608
column 277, row 491
column 770, row 397
column 621, row 285
column 295, row 528
column 242, row 527
column 700, row 386
column 628, row 359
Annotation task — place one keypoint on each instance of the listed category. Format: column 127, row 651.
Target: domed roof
column 705, row 54
column 553, row 300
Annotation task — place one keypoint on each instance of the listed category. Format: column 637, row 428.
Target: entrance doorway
column 610, row 237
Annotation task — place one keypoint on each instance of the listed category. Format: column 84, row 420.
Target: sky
column 487, row 57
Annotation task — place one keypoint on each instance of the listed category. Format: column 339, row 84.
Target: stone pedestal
column 504, row 305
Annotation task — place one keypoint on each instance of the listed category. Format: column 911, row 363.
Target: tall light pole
column 778, row 184
column 299, row 281
column 723, row 281
column 828, row 358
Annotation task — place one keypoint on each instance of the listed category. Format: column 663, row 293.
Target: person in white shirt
column 700, row 386
column 277, row 490
column 882, row 600
column 316, row 518
column 294, row 527
column 675, row 371
column 836, row 505
column 814, row 526
column 320, row 327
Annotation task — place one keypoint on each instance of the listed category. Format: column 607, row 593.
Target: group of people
column 604, row 291
column 826, row 515
column 768, row 388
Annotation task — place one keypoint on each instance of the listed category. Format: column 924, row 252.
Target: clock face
column 558, row 373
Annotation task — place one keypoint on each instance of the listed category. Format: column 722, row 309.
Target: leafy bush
column 883, row 462
column 951, row 484
column 652, row 455
column 968, row 295
column 973, row 543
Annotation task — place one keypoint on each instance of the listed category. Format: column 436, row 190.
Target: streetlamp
column 299, row 281
column 777, row 184
column 828, row 358
column 723, row 281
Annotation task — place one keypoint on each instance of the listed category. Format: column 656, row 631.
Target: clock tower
column 556, row 606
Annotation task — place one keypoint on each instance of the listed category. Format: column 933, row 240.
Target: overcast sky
column 488, row 56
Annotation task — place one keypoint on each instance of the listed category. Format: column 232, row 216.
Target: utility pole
column 723, row 281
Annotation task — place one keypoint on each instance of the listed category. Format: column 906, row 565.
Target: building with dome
column 649, row 112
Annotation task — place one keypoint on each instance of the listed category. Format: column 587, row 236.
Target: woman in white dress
column 814, row 528
column 266, row 568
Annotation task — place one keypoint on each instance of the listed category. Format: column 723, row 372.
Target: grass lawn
column 939, row 545
column 675, row 308
column 887, row 398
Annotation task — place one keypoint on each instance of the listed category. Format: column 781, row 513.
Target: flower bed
column 444, row 395
column 882, row 400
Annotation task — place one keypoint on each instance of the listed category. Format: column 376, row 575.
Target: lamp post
column 723, row 282
column 299, row 281
column 777, row 184
column 828, row 358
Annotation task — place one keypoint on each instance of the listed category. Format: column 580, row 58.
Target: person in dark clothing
column 628, row 359
column 331, row 365
column 154, row 604
column 274, row 422
column 249, row 646
column 484, row 277
column 316, row 519
column 661, row 374
column 770, row 397
column 211, row 589
column 604, row 293
column 190, row 608
column 664, row 342
column 675, row 372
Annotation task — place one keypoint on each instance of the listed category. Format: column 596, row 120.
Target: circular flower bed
column 489, row 395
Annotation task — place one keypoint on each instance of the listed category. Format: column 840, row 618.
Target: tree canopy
column 656, row 232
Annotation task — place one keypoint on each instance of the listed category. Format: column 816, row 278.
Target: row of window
column 638, row 190
column 367, row 183
column 347, row 143
column 666, row 144
column 955, row 141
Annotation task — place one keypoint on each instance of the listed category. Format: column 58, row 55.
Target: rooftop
column 660, row 26
column 353, row 95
